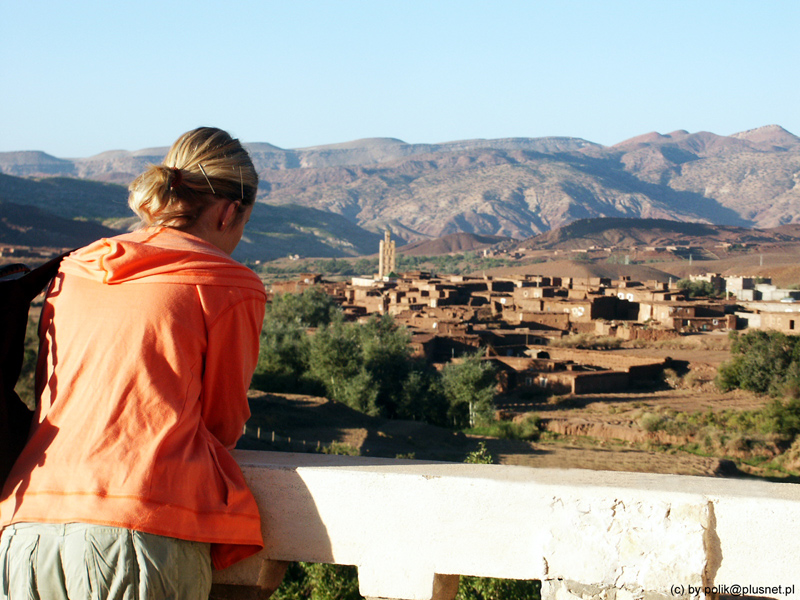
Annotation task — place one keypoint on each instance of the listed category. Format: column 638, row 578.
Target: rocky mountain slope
column 22, row 225
column 65, row 212
column 453, row 243
column 516, row 187
column 624, row 233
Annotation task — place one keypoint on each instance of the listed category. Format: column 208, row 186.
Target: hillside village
column 517, row 321
column 528, row 325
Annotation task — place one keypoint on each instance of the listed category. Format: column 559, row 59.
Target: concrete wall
column 411, row 528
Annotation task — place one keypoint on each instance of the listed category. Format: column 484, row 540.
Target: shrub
column 671, row 377
column 762, row 362
column 692, row 379
column 530, row 427
column 481, row 456
column 341, row 448
column 587, row 341
column 652, row 422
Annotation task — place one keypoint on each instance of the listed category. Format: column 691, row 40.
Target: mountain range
column 515, row 187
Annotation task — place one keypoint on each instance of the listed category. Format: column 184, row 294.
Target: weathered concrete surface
column 410, row 526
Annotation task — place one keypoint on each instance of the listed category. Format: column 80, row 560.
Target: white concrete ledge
column 412, row 527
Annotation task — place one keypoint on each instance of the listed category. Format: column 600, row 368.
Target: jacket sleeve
column 231, row 359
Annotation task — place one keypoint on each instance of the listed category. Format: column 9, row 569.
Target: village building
column 570, row 371
column 778, row 316
column 688, row 315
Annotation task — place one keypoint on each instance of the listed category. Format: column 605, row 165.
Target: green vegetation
column 363, row 366
column 489, row 588
column 582, row 257
column 481, row 456
column 469, row 387
column 367, row 366
column 781, row 419
column 763, row 362
column 530, row 429
column 587, row 341
column 341, row 448
column 313, row 581
column 455, row 264
column 341, row 266
column 755, row 437
column 698, row 288
column 312, row 308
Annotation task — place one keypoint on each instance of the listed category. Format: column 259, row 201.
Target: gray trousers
column 80, row 561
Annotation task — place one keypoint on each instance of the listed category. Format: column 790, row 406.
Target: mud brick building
column 569, row 371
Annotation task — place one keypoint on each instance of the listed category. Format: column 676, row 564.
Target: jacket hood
column 159, row 255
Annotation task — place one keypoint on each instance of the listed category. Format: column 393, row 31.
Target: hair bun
column 176, row 192
column 177, row 178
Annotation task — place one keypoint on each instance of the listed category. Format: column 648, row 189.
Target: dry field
column 779, row 262
column 600, row 431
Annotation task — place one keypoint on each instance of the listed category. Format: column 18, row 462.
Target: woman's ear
column 228, row 215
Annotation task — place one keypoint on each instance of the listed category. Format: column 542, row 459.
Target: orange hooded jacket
column 148, row 344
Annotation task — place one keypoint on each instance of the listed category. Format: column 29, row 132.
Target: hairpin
column 241, row 179
column 203, row 171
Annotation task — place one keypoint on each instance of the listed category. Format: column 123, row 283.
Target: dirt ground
column 310, row 422
column 597, row 431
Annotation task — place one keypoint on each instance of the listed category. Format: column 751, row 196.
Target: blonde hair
column 202, row 166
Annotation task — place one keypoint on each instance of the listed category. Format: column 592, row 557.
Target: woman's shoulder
column 162, row 255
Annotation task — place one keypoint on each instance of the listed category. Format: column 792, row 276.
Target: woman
column 126, row 488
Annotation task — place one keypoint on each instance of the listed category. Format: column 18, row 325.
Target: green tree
column 365, row 266
column 697, row 288
column 284, row 354
column 489, row 588
column 335, row 361
column 317, row 581
column 422, row 397
column 386, row 356
column 367, row 366
column 283, row 359
column 762, row 362
column 363, row 365
column 311, row 308
column 469, row 387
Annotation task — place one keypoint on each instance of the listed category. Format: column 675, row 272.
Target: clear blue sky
column 78, row 78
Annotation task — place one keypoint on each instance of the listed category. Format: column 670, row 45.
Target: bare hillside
column 514, row 187
column 626, row 233
column 454, row 242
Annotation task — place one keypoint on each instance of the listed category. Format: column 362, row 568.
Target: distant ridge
column 29, row 226
column 770, row 135
column 510, row 187
column 123, row 165
column 64, row 213
column 452, row 243
column 33, row 162
column 622, row 233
